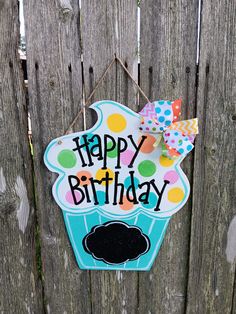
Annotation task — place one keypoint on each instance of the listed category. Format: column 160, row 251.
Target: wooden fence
column 195, row 268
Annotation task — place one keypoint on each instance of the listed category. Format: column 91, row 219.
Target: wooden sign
column 116, row 189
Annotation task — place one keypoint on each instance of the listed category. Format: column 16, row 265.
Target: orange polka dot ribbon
column 161, row 117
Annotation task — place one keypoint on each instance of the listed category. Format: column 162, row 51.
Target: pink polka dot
column 69, row 197
column 171, row 176
column 172, row 141
column 126, row 157
column 191, row 138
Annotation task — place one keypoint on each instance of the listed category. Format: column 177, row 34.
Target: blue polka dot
column 176, row 133
column 101, row 196
column 189, row 147
column 161, row 102
column 167, row 112
column 168, row 122
column 149, row 121
column 186, row 139
column 158, row 110
column 168, row 103
column 152, row 201
column 161, row 128
column 161, row 119
column 127, row 182
column 91, row 144
column 181, row 150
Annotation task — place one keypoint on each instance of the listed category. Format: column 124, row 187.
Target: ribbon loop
column 187, row 127
column 161, row 117
column 178, row 141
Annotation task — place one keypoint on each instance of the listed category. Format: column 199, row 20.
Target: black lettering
column 75, row 187
column 131, row 188
column 117, row 185
column 108, row 149
column 159, row 193
column 143, row 197
column 120, row 150
column 137, row 148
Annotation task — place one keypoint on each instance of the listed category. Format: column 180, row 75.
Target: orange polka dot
column 147, row 146
column 127, row 205
column 84, row 177
column 172, row 151
column 176, row 106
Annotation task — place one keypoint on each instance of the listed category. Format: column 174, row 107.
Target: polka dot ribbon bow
column 176, row 137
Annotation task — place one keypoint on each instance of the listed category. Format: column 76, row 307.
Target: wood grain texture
column 168, row 71
column 213, row 244
column 55, row 90
column 194, row 272
column 19, row 283
column 110, row 27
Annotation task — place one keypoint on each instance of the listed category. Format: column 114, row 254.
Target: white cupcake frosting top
column 115, row 168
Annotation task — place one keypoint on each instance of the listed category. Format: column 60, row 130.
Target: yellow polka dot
column 175, row 195
column 116, row 122
column 101, row 173
column 166, row 162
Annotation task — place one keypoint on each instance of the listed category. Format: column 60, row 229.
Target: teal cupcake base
column 80, row 225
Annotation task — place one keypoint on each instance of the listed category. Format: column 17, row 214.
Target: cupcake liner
column 79, row 225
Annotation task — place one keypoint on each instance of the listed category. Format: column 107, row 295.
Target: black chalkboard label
column 116, row 242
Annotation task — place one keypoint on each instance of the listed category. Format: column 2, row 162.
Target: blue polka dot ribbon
column 161, row 117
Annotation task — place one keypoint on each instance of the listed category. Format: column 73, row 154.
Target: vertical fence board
column 168, row 71
column 110, row 27
column 213, row 250
column 19, row 283
column 55, row 89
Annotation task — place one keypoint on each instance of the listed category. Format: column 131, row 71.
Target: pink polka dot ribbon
column 161, row 117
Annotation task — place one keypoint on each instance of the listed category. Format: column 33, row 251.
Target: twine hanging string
column 87, row 102
column 132, row 79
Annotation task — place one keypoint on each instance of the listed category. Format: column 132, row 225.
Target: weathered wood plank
column 168, row 71
column 110, row 27
column 19, row 283
column 55, row 89
column 213, row 235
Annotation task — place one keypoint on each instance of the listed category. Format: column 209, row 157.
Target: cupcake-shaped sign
column 120, row 182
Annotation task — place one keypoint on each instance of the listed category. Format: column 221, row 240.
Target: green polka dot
column 147, row 168
column 112, row 153
column 67, row 158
